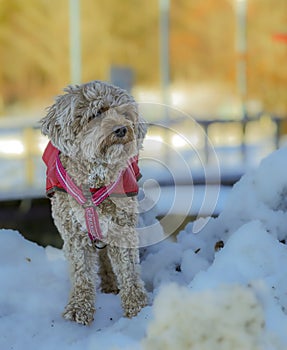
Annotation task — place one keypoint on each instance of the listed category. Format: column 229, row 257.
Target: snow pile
column 222, row 319
column 235, row 296
column 34, row 290
column 237, row 303
column 259, row 195
column 172, row 261
column 250, row 228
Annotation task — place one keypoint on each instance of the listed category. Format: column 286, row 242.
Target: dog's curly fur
column 81, row 125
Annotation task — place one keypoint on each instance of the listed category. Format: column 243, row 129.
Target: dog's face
column 96, row 122
column 110, row 136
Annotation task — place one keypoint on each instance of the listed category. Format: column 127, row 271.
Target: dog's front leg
column 125, row 263
column 81, row 257
column 82, row 260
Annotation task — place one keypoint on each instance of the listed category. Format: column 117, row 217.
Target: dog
column 96, row 132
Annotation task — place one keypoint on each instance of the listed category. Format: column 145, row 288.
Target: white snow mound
column 235, row 297
column 221, row 319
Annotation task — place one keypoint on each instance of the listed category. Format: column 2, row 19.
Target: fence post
column 29, row 139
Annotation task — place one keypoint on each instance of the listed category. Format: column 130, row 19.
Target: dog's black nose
column 120, row 131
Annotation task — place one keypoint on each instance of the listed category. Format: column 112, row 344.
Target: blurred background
column 220, row 66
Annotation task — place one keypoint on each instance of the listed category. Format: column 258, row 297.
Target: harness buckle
column 99, row 244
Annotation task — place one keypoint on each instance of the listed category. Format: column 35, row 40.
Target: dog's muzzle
column 120, row 131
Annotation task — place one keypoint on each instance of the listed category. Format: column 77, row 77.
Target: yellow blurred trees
column 121, row 33
column 202, row 40
column 34, row 44
column 267, row 58
column 34, row 53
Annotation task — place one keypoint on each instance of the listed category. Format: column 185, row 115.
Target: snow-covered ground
column 202, row 296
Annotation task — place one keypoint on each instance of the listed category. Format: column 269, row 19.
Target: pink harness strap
column 67, row 183
column 91, row 215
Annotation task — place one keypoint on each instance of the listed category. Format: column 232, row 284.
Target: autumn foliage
column 34, row 41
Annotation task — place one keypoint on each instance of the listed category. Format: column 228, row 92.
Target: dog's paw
column 82, row 313
column 133, row 300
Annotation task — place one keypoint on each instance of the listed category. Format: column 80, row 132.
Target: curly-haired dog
column 95, row 134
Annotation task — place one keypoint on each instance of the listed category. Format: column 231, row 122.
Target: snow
column 201, row 297
column 241, row 327
column 204, row 199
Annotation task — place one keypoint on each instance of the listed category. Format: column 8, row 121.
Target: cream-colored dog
column 95, row 134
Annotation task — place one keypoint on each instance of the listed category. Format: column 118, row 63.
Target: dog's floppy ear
column 56, row 124
column 49, row 126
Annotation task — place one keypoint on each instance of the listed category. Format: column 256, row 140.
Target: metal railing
column 21, row 146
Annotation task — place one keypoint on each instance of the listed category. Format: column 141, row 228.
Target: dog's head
column 96, row 122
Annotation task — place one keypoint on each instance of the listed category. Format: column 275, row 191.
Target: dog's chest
column 101, row 175
column 111, row 212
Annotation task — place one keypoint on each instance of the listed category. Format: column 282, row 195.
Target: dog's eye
column 92, row 117
column 98, row 114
